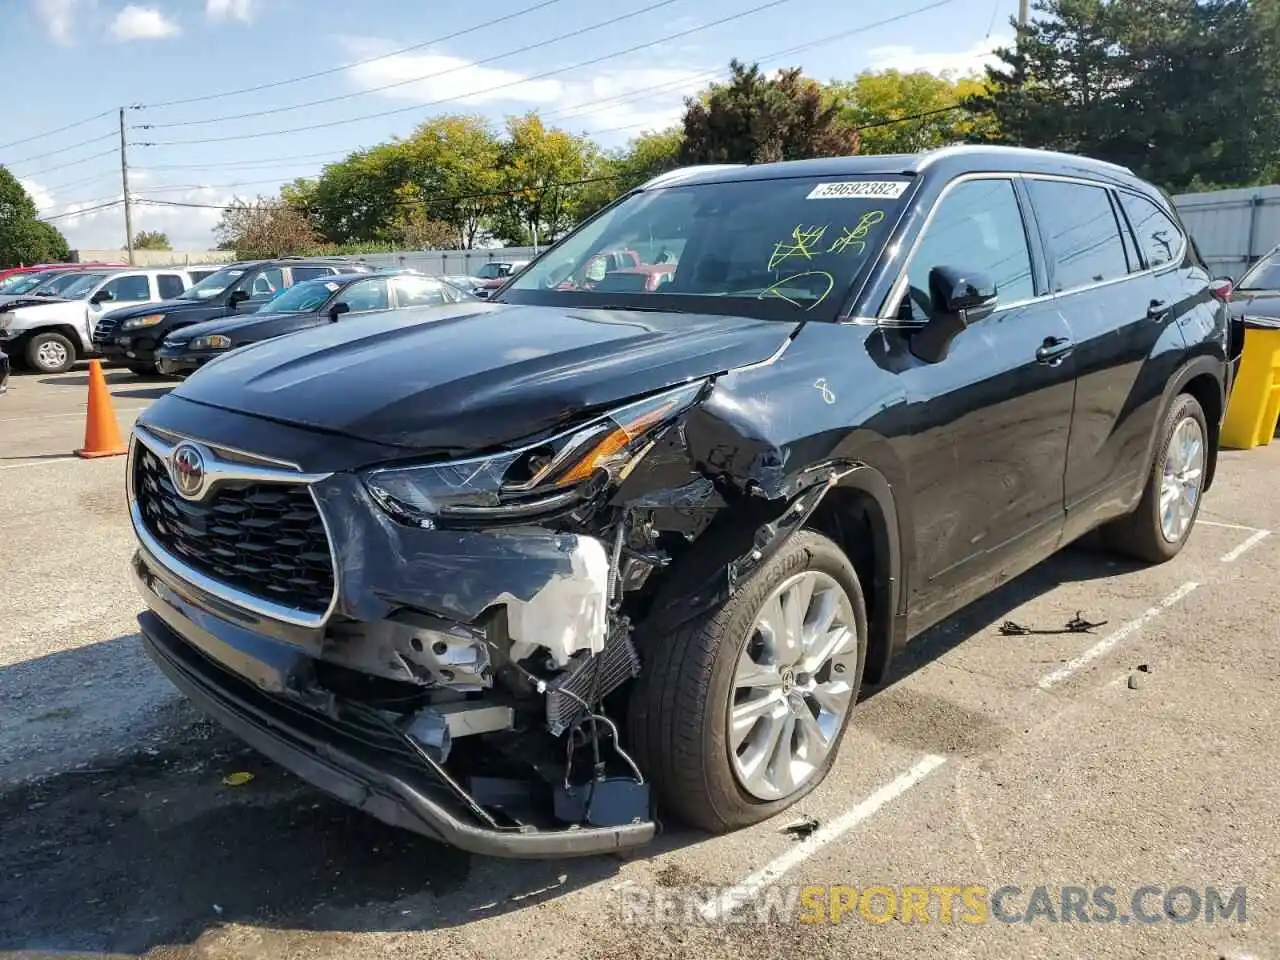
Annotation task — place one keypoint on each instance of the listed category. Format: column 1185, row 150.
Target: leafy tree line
column 1184, row 92
column 24, row 239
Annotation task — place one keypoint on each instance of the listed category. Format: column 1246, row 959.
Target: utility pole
column 1024, row 13
column 124, row 179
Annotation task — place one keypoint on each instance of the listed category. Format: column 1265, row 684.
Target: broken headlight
column 535, row 479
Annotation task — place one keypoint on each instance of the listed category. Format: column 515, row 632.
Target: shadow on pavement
column 151, row 848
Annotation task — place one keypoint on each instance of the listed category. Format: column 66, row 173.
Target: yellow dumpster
column 1254, row 407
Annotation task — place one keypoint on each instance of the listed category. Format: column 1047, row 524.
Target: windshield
column 24, row 282
column 492, row 271
column 211, row 286
column 76, row 286
column 796, row 243
column 52, row 286
column 301, row 297
column 1264, row 275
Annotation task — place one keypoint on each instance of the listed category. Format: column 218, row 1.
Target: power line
column 466, row 65
column 348, row 66
column 76, row 213
column 590, row 106
column 56, row 130
column 501, row 86
column 74, row 163
column 52, row 153
column 773, row 55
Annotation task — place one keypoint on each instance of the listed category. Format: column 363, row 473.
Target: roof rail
column 929, row 156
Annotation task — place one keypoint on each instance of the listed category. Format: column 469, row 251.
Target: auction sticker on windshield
column 858, row 190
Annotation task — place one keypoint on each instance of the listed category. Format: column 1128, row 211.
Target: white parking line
column 1225, row 526
column 1110, row 640
column 37, row 463
column 64, row 416
column 776, row 869
column 1232, row 556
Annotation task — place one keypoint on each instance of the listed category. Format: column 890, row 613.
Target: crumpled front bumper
column 243, row 679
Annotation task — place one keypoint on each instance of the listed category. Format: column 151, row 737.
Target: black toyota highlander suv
column 495, row 574
column 132, row 336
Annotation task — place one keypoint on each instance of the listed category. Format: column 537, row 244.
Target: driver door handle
column 1054, row 350
column 1157, row 310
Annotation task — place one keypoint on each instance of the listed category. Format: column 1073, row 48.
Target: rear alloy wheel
column 50, row 353
column 1160, row 526
column 739, row 712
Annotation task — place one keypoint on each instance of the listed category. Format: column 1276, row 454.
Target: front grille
column 105, row 328
column 266, row 539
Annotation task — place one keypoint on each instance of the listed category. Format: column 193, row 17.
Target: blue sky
column 64, row 60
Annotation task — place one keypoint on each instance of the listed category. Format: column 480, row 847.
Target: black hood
column 236, row 324
column 473, row 376
column 168, row 306
column 1256, row 303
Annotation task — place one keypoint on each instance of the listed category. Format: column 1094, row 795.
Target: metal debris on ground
column 1076, row 624
column 800, row 829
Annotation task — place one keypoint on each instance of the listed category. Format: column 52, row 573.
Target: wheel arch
column 1203, row 378
column 64, row 330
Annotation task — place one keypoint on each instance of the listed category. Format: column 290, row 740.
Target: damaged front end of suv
column 440, row 565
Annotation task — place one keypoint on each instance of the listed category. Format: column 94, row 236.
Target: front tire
column 1161, row 525
column 50, row 353
column 739, row 713
column 147, row 370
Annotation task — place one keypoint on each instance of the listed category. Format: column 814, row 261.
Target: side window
column 418, row 291
column 131, row 287
column 170, row 285
column 1158, row 236
column 1082, row 233
column 267, row 283
column 365, row 295
column 977, row 226
column 309, row 273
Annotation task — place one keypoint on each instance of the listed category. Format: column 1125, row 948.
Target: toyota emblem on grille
column 187, row 468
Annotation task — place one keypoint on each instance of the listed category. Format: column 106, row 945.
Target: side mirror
column 102, row 296
column 338, row 309
column 237, row 297
column 959, row 298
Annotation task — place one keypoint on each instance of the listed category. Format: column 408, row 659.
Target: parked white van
column 49, row 334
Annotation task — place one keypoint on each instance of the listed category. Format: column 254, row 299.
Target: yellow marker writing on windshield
column 803, row 241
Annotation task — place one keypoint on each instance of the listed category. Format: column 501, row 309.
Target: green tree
column 1181, row 91
column 454, row 162
column 759, row 119
column 541, row 170
column 23, row 237
column 621, row 170
column 151, row 240
column 897, row 112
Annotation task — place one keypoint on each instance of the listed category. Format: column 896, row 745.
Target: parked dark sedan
column 494, row 571
column 4, row 371
column 310, row 304
column 132, row 335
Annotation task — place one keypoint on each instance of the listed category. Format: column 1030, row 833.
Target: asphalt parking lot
column 1145, row 752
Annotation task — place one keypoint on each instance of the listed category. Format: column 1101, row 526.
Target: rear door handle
column 1053, row 350
column 1157, row 310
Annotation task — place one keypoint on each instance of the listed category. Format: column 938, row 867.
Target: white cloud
column 142, row 23
column 957, row 62
column 458, row 83
column 58, row 17
column 241, row 10
column 39, row 194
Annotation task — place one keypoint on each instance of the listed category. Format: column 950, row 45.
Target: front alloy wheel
column 791, row 685
column 738, row 712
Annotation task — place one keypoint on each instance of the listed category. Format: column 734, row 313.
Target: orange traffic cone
column 101, row 434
